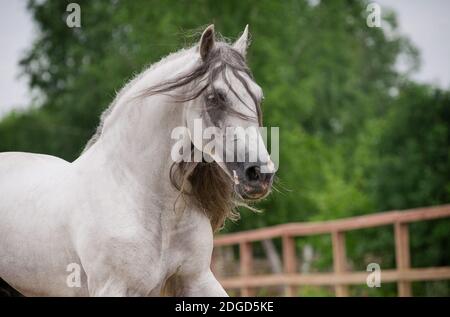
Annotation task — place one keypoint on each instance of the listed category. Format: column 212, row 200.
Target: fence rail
column 340, row 278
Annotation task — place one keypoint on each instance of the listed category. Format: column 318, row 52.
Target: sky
column 425, row 22
column 16, row 35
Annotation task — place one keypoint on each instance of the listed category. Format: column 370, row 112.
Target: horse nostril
column 253, row 173
column 268, row 177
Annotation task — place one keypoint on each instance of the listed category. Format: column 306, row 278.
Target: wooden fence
column 340, row 278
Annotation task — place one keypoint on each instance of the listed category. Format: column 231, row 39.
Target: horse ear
column 242, row 43
column 207, row 41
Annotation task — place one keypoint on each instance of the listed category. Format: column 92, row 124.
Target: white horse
column 115, row 213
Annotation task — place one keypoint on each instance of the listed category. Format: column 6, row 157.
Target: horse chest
column 183, row 239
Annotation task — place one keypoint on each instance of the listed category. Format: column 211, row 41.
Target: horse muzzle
column 250, row 182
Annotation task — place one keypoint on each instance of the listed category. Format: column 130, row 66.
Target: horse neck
column 135, row 142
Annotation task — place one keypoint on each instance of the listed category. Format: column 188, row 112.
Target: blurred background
column 364, row 113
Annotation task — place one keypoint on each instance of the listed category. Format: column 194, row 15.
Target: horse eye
column 221, row 95
column 217, row 97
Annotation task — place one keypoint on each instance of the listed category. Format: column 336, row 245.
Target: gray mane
column 223, row 57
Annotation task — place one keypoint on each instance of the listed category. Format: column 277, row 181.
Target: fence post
column 289, row 262
column 402, row 256
column 339, row 260
column 246, row 263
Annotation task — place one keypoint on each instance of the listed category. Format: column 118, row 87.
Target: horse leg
column 202, row 285
column 123, row 286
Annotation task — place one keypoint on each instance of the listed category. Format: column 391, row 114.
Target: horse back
column 27, row 177
column 31, row 224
